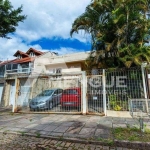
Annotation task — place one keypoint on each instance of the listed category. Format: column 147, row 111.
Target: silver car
column 46, row 100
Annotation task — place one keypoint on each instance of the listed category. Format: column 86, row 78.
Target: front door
column 1, row 91
column 12, row 93
column 24, row 92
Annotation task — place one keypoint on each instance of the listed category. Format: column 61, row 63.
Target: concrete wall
column 39, row 62
column 42, row 84
column 6, row 94
column 49, row 61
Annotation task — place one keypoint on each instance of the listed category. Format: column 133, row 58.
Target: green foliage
column 117, row 104
column 119, row 32
column 131, row 134
column 38, row 135
column 10, row 18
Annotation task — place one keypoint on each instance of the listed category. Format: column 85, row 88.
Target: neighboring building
column 19, row 68
column 60, row 64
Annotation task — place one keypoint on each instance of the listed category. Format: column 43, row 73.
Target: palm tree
column 118, row 29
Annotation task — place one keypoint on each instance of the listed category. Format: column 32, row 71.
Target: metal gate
column 24, row 92
column 95, row 93
column 52, row 94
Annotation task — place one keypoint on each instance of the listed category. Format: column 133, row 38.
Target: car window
column 56, row 92
column 60, row 91
column 46, row 93
column 70, row 91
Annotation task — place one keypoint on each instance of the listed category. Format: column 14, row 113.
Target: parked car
column 46, row 100
column 71, row 98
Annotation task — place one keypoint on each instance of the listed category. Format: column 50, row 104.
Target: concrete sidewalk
column 64, row 126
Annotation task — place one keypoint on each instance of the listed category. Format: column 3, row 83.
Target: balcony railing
column 20, row 70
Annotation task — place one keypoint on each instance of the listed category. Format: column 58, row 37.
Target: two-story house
column 20, row 68
column 20, row 74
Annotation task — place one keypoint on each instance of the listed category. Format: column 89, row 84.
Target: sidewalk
column 76, row 127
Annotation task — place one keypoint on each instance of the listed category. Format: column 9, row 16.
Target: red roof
column 35, row 51
column 21, row 53
column 18, row 61
column 6, row 62
column 23, row 60
column 26, row 57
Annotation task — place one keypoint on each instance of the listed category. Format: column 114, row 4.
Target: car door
column 55, row 97
column 60, row 91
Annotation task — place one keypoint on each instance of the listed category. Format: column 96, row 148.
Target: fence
column 52, row 93
column 109, row 89
column 122, row 84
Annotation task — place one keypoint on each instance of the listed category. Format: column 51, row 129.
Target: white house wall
column 49, row 61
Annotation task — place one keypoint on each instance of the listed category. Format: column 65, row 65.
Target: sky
column 47, row 28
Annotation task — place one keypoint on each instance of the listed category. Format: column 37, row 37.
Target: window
column 19, row 56
column 8, row 67
column 46, row 93
column 32, row 54
column 70, row 91
column 59, row 91
column 58, row 70
column 14, row 66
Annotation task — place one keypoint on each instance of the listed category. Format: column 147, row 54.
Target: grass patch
column 108, row 141
column 22, row 133
column 38, row 135
column 131, row 134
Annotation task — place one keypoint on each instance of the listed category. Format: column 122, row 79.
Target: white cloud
column 12, row 45
column 9, row 47
column 65, row 50
column 45, row 19
column 49, row 18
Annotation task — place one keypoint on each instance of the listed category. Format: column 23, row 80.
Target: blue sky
column 47, row 27
column 58, row 42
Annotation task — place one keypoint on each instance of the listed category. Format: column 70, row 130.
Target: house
column 53, row 64
column 20, row 75
column 19, row 68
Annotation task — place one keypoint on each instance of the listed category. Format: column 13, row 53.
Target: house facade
column 53, row 64
column 18, row 76
column 16, row 69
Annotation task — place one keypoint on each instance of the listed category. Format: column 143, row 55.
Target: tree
column 119, row 31
column 9, row 18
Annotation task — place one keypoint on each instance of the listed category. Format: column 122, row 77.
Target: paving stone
column 33, row 131
column 90, row 125
column 87, row 131
column 43, row 132
column 49, row 128
column 61, row 129
column 67, row 124
column 31, row 126
column 74, row 130
column 102, row 131
column 40, row 127
column 55, row 134
column 21, row 125
column 119, row 125
column 70, row 135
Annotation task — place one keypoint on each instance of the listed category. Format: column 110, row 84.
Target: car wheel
column 50, row 105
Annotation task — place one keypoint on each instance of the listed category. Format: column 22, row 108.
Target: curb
column 125, row 144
